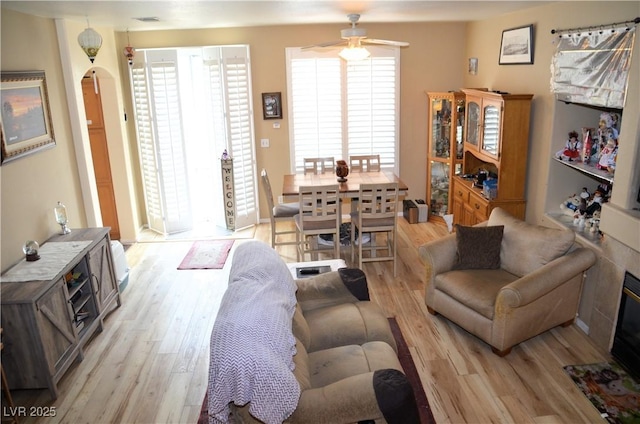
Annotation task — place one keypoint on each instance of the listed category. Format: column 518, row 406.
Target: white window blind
column 340, row 108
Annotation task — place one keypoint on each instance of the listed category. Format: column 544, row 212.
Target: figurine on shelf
column 572, row 148
column 587, row 144
column 571, row 205
column 595, row 204
column 607, row 127
column 608, row 157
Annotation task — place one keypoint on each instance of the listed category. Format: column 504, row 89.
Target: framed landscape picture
column 25, row 118
column 516, row 47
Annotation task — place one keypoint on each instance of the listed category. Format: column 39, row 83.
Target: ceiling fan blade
column 327, row 44
column 386, row 42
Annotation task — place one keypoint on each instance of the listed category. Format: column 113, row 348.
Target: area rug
column 610, row 389
column 207, row 254
column 409, row 367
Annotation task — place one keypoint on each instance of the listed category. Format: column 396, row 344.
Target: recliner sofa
column 314, row 350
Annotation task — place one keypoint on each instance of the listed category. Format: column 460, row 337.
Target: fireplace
column 626, row 342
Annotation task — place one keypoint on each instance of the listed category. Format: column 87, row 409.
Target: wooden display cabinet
column 496, row 140
column 445, row 117
column 47, row 322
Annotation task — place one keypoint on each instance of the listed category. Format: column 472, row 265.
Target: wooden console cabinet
column 47, row 322
column 496, row 140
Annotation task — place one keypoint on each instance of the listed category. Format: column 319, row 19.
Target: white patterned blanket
column 252, row 344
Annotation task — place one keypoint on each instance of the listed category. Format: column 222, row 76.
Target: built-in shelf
column 583, row 234
column 589, row 170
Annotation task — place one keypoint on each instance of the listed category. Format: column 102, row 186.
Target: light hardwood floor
column 149, row 365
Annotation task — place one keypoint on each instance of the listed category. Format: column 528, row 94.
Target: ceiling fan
column 353, row 38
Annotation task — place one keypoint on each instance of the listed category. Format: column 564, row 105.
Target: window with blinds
column 340, row 108
column 190, row 105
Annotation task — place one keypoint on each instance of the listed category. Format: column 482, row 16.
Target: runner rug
column 410, row 370
column 207, row 254
column 610, row 389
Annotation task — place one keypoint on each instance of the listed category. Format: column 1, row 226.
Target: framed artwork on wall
column 25, row 117
column 516, row 47
column 272, row 105
column 473, row 66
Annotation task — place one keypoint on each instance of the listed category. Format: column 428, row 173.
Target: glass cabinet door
column 491, row 132
column 441, row 128
column 459, row 130
column 439, row 184
column 473, row 122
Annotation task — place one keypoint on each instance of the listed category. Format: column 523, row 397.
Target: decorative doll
column 587, row 144
column 608, row 155
column 572, row 148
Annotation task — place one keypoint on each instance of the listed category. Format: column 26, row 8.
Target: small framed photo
column 25, row 118
column 271, row 106
column 516, row 47
column 473, row 66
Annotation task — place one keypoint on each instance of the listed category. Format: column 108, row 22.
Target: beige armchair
column 534, row 286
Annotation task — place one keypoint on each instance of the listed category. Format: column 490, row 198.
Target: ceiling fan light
column 354, row 53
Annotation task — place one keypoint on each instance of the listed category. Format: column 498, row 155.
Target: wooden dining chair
column 282, row 212
column 319, row 214
column 364, row 163
column 376, row 213
column 319, row 165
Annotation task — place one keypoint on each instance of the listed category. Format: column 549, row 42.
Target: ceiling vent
column 148, row 19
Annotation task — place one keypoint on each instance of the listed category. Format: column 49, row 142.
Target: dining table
column 348, row 189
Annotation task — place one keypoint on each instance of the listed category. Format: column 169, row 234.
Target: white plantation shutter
column 372, row 109
column 214, row 97
column 316, row 92
column 162, row 148
column 146, row 147
column 241, row 138
column 340, row 108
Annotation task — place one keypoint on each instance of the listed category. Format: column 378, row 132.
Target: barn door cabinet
column 47, row 323
column 496, row 140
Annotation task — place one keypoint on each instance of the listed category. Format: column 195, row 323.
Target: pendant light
column 90, row 41
column 129, row 52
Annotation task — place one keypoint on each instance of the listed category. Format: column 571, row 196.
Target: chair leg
column 353, row 241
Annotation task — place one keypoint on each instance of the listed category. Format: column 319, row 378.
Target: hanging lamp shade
column 90, row 41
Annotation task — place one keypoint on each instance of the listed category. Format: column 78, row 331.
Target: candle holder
column 61, row 218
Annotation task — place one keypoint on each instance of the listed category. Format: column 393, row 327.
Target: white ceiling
column 184, row 14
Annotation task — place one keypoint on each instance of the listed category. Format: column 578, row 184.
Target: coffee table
column 311, row 268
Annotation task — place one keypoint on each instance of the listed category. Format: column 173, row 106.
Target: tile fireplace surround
column 602, row 291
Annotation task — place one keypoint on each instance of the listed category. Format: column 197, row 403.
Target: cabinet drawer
column 480, row 206
column 461, row 193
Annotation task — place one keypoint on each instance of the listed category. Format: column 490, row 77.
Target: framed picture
column 25, row 119
column 271, row 105
column 516, row 47
column 473, row 66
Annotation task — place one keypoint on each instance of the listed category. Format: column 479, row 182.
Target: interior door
column 100, row 155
